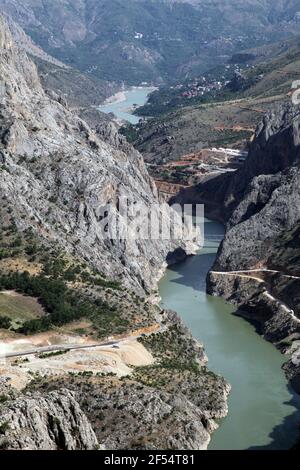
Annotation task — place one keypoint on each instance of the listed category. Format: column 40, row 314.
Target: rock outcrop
column 151, row 419
column 45, row 422
column 257, row 267
column 58, row 176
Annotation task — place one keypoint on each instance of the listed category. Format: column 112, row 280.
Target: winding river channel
column 262, row 409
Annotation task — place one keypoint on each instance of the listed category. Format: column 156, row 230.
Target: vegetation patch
column 52, row 354
column 18, row 308
column 62, row 304
column 170, row 345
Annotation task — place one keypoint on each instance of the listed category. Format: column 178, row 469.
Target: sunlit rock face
column 58, row 175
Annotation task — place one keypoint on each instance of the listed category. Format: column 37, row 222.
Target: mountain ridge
column 152, row 40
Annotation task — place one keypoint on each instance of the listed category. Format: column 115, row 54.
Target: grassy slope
column 19, row 307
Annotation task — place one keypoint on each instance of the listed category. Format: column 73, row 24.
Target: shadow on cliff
column 193, row 271
column 284, row 434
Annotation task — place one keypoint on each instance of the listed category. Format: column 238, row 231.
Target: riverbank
column 256, row 296
column 118, row 97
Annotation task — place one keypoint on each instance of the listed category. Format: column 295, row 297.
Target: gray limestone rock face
column 46, row 422
column 60, row 174
column 262, row 236
column 270, row 207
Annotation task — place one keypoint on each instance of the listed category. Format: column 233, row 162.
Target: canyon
column 257, row 264
column 137, row 378
column 59, row 173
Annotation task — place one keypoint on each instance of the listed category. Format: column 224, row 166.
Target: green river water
column 122, row 109
column 262, row 409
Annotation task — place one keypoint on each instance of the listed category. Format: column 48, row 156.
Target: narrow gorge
column 111, row 340
column 257, row 265
column 260, row 394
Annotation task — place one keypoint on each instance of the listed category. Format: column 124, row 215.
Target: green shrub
column 5, row 322
column 4, row 427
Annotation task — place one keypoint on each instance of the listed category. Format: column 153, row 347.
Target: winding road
column 60, row 347
column 262, row 270
column 72, row 347
column 247, row 274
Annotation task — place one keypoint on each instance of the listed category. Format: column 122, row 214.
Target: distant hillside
column 76, row 88
column 213, row 119
column 151, row 40
column 276, row 73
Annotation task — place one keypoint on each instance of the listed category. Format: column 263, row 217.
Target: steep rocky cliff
column 257, row 267
column 79, row 89
column 45, row 422
column 58, row 175
column 261, row 200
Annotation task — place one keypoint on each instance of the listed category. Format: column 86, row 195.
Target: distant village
column 204, row 85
